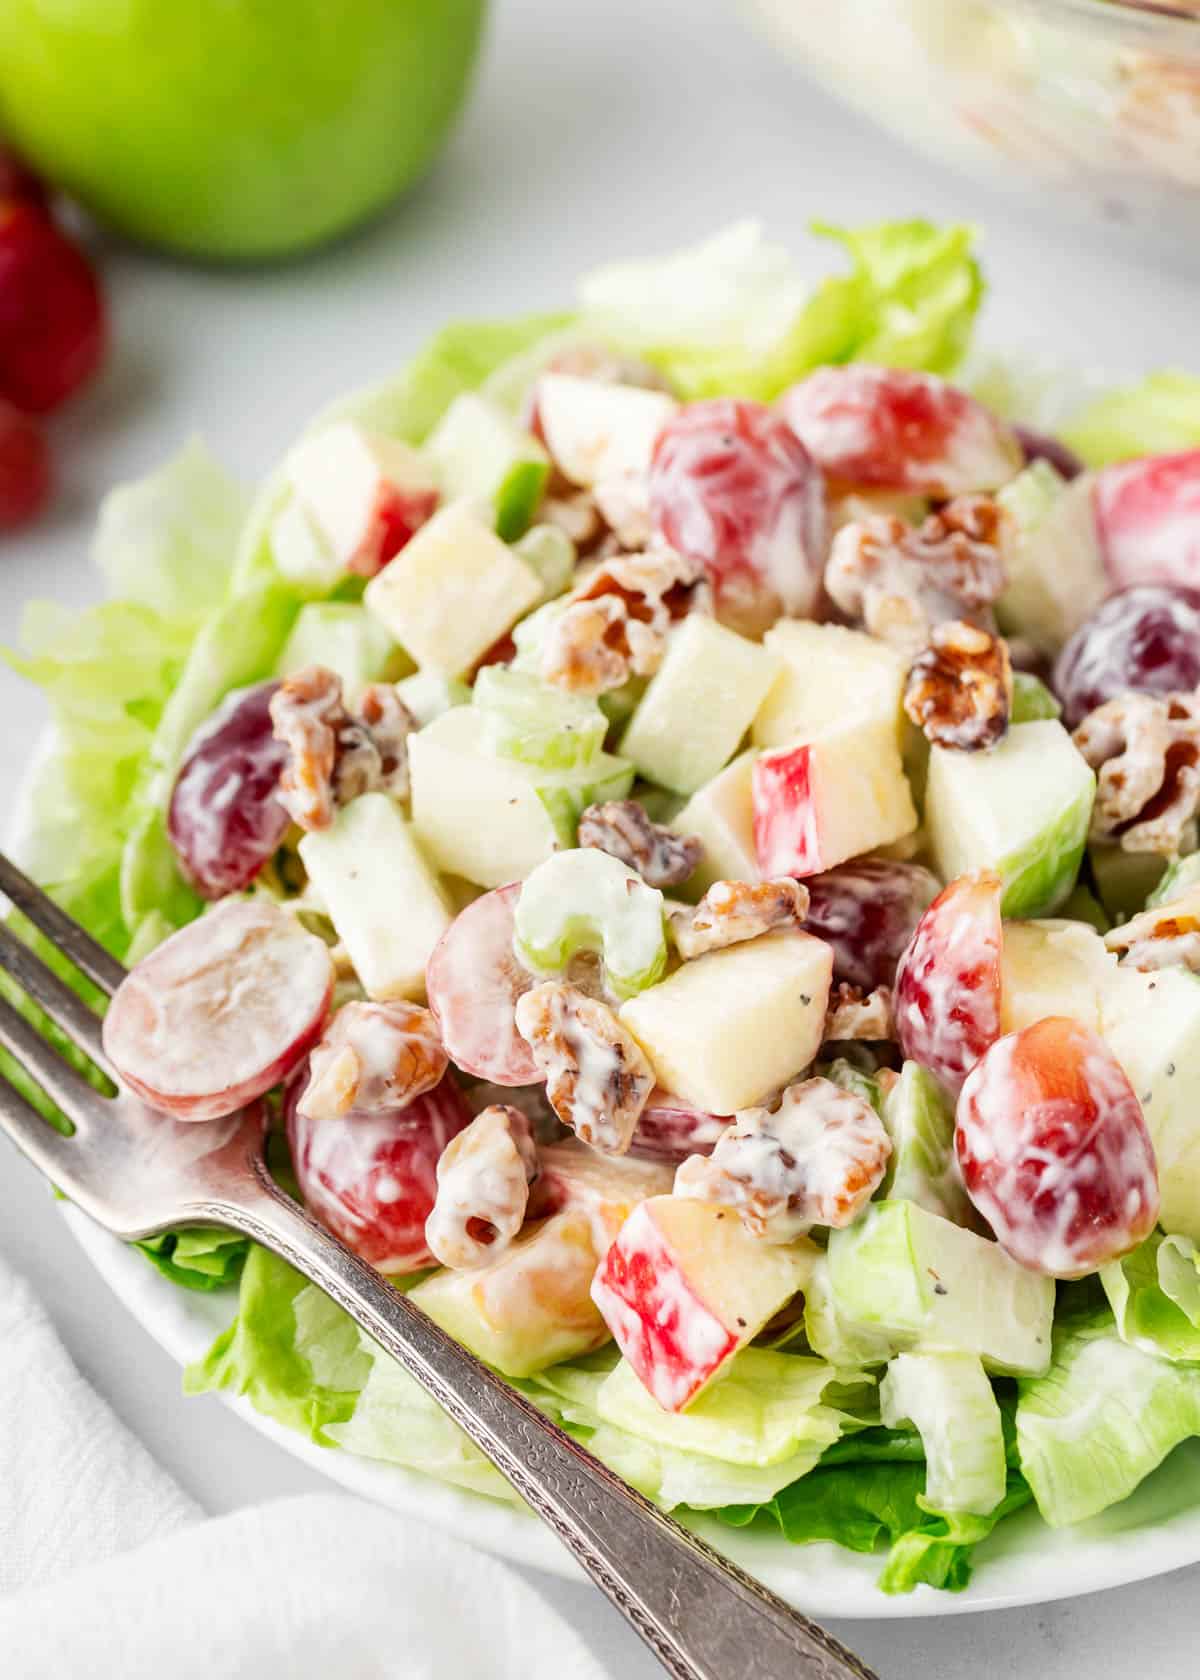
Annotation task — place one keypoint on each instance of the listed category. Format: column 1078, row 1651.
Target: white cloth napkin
column 107, row 1568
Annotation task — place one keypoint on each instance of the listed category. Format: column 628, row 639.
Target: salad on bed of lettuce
column 689, row 814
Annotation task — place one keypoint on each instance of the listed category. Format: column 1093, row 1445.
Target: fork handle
column 703, row 1617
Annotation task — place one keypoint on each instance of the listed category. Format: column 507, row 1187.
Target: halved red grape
column 891, row 429
column 372, row 1178
column 1148, row 519
column 224, row 819
column 867, row 910
column 1054, row 1149
column 25, row 469
column 473, row 981
column 52, row 322
column 1041, row 446
column 1146, row 638
column 221, row 1012
column 947, row 1003
column 734, row 489
column 670, row 1128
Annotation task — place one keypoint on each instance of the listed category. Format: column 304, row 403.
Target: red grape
column 473, row 980
column 52, row 323
column 1054, row 1149
column 224, row 819
column 25, row 468
column 1148, row 519
column 948, row 980
column 732, row 488
column 221, row 1011
column 867, row 910
column 670, row 1129
column 889, row 429
column 1040, row 446
column 372, row 1178
column 1145, row 639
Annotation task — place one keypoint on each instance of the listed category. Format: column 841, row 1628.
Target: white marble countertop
column 615, row 126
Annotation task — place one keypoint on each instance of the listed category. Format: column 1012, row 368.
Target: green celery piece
column 1182, row 875
column 1032, row 699
column 585, row 900
column 1155, row 417
column 527, row 719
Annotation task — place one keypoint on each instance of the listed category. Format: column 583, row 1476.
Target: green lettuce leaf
column 734, row 316
column 1159, row 415
column 1155, row 1296
column 201, row 1257
column 1102, row 1418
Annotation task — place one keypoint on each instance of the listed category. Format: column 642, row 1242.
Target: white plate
column 1024, row 1562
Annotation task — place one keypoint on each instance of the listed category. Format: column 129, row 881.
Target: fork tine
column 49, row 1151
column 64, row 1007
column 66, row 1088
column 62, row 930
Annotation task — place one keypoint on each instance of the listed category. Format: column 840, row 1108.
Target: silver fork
column 138, row 1173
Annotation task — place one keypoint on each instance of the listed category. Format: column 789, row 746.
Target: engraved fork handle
column 701, row 1615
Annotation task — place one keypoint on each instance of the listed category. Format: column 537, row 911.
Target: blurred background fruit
column 234, row 129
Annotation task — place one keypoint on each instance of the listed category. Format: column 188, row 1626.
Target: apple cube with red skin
column 1148, row 519
column 1054, row 1149
column 685, row 1287
column 366, row 494
column 606, row 1188
column 600, row 430
column 821, row 801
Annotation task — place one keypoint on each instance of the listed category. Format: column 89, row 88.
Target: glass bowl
column 1099, row 99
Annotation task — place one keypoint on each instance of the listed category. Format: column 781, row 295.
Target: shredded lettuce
column 734, row 316
column 1155, row 417
column 1155, row 1296
column 203, row 1257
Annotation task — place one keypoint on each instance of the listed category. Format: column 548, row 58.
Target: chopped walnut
column 337, row 754
column 1166, row 936
column 899, row 581
column 855, row 1014
column 373, row 1056
column 960, row 688
column 1146, row 752
column 816, row 1161
column 597, row 1078
column 483, row 1179
column 732, row 911
column 622, row 829
column 615, row 625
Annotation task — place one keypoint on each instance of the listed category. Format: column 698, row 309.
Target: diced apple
column 1022, row 809
column 699, row 705
column 479, row 450
column 606, row 1188
column 492, row 820
column 1148, row 519
column 685, row 1286
column 453, row 591
column 530, row 1308
column 1053, row 968
column 382, row 897
column 828, row 673
column 1056, row 571
column 596, row 429
column 366, row 494
column 301, row 553
column 721, row 813
column 830, row 798
column 1152, row 1025
column 735, row 1026
column 344, row 638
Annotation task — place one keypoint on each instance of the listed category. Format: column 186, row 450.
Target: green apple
column 234, row 130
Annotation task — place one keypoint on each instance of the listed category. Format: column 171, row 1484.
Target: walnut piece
column 899, row 580
column 816, row 1161
column 960, row 688
column 373, row 1056
column 597, row 1078
column 1165, row 936
column 335, row 753
column 622, row 829
column 732, row 911
column 855, row 1014
column 616, row 622
column 1146, row 751
column 483, row 1179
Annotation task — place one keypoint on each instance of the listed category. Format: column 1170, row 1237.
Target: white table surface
column 598, row 127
